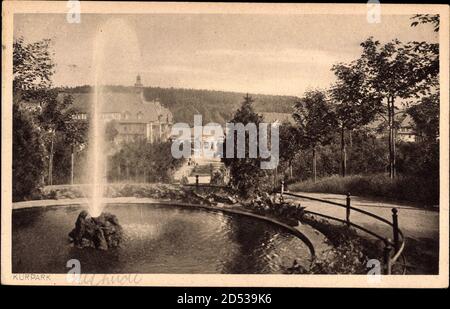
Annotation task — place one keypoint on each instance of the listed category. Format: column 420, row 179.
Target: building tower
column 138, row 85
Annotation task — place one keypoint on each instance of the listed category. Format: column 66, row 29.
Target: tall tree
column 32, row 72
column 246, row 174
column 316, row 122
column 394, row 71
column 290, row 144
column 75, row 132
column 57, row 117
column 355, row 105
column 33, row 68
column 426, row 113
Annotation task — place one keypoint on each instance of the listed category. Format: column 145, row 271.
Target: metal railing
column 393, row 249
column 197, row 184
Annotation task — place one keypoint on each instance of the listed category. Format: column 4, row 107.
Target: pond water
column 159, row 239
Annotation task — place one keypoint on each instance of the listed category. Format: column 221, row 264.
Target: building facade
column 131, row 114
column 405, row 131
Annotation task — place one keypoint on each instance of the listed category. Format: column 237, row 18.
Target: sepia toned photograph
column 176, row 144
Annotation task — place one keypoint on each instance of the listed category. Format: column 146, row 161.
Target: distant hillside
column 214, row 106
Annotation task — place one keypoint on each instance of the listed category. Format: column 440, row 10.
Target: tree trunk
column 50, row 164
column 394, row 165
column 343, row 153
column 350, row 138
column 276, row 177
column 391, row 165
column 290, row 170
column 71, row 166
column 314, row 164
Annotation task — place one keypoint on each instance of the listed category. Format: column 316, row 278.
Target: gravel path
column 414, row 222
column 420, row 226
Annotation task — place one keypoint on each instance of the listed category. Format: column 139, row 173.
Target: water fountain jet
column 96, row 228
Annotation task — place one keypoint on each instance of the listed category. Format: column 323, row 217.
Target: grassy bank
column 410, row 189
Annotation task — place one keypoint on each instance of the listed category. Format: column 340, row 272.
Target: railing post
column 395, row 229
column 196, row 180
column 348, row 209
column 387, row 256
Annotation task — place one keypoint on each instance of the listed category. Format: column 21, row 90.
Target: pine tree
column 247, row 177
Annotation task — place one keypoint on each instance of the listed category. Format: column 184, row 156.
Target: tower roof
column 138, row 81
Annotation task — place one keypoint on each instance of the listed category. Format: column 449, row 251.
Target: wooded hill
column 214, row 106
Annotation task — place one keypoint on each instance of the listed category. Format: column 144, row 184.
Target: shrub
column 28, row 155
column 406, row 188
column 349, row 253
column 140, row 161
column 219, row 177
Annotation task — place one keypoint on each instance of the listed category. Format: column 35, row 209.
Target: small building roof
column 407, row 121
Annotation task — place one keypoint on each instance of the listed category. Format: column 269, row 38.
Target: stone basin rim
column 122, row 202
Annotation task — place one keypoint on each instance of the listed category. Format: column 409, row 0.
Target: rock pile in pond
column 102, row 232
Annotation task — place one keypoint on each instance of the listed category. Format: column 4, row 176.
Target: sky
column 267, row 54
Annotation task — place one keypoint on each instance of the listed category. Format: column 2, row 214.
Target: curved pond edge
column 147, row 201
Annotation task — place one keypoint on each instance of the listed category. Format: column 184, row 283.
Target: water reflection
column 159, row 239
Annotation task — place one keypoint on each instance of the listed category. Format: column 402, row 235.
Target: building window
column 126, row 115
column 80, row 116
column 139, row 115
